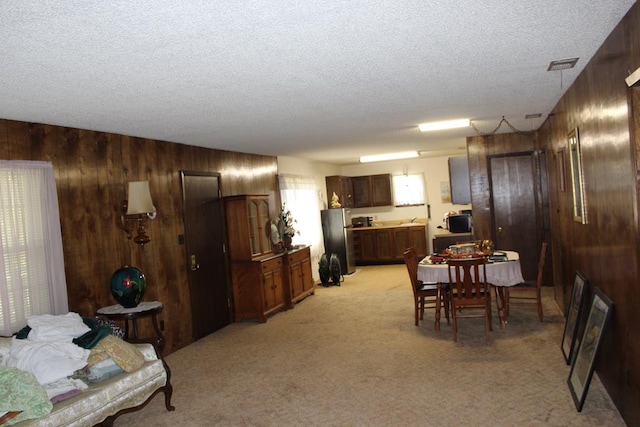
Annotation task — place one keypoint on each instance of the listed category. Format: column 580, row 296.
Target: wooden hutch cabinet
column 257, row 274
column 247, row 217
column 263, row 281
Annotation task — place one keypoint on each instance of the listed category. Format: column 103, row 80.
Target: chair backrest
column 468, row 277
column 411, row 261
column 541, row 261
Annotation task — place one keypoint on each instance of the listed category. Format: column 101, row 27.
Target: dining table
column 500, row 274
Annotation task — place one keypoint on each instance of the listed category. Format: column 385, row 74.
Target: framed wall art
column 574, row 314
column 582, row 365
column 577, row 177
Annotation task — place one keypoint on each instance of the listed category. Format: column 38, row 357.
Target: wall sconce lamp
column 138, row 207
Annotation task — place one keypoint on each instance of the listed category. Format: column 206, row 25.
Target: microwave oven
column 459, row 223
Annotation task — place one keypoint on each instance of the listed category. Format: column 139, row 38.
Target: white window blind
column 30, row 245
column 300, row 194
column 408, row 190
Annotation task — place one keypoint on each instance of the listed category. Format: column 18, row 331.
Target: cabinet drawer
column 272, row 264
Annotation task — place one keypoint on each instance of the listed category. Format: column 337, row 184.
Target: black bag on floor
column 335, row 269
column 323, row 269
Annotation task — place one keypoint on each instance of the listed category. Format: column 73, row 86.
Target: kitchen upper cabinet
column 343, row 187
column 381, row 190
column 361, row 191
column 372, row 190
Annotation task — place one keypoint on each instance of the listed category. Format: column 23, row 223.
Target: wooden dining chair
column 425, row 295
column 528, row 292
column 470, row 293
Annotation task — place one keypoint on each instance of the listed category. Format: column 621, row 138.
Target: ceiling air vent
column 562, row 64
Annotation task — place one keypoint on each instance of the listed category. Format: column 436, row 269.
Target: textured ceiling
column 322, row 80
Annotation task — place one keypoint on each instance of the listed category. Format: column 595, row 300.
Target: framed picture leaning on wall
column 582, row 365
column 574, row 314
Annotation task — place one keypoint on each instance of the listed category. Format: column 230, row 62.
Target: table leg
column 500, row 305
column 438, row 298
column 159, row 336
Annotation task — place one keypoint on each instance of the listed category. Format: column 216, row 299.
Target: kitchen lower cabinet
column 386, row 244
column 300, row 282
column 364, row 245
column 258, row 287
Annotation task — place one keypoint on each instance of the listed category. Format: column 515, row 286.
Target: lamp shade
column 139, row 198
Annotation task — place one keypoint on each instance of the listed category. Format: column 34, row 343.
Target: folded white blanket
column 49, row 327
column 49, row 361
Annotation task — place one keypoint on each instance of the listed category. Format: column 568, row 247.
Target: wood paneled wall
column 606, row 249
column 92, row 169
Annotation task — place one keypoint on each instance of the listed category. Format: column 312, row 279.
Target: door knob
column 499, row 229
column 194, row 263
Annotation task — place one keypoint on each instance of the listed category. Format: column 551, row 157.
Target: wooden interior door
column 517, row 216
column 204, row 240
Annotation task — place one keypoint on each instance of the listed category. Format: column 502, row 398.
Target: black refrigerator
column 338, row 237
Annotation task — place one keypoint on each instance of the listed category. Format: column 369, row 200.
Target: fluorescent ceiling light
column 447, row 124
column 389, row 156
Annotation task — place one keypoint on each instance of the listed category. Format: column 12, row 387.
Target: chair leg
column 539, row 303
column 487, row 325
column 447, row 301
column 506, row 302
column 416, row 308
column 489, row 309
column 455, row 325
column 421, row 308
column 436, row 326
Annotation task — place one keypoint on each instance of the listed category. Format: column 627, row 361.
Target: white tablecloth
column 507, row 273
column 118, row 309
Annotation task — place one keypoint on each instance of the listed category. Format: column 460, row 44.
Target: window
column 300, row 194
column 30, row 245
column 408, row 190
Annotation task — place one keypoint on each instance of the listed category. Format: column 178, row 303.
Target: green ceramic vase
column 128, row 285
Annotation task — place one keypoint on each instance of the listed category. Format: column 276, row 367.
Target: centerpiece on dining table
column 478, row 249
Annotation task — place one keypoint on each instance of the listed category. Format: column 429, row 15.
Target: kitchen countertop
column 378, row 227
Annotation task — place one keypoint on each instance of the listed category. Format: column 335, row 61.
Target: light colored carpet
column 351, row 356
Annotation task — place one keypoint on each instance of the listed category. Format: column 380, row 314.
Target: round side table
column 146, row 309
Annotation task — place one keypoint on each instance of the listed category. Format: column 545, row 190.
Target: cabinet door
column 343, row 187
column 418, row 239
column 361, row 191
column 384, row 245
column 307, row 274
column 346, row 184
column 295, row 275
column 272, row 284
column 254, row 229
column 257, row 215
column 367, row 245
column 402, row 241
column 381, row 190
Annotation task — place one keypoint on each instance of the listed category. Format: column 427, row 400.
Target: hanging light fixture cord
column 498, row 127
